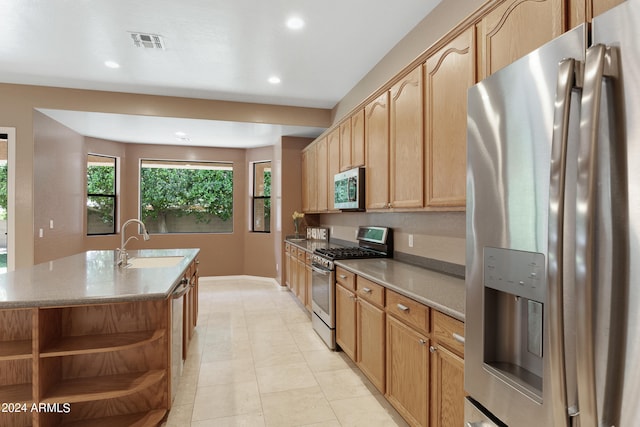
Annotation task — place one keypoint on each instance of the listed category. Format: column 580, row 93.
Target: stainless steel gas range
column 373, row 242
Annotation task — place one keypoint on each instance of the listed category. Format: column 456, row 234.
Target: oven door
column 322, row 294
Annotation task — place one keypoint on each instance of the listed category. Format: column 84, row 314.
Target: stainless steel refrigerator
column 553, row 233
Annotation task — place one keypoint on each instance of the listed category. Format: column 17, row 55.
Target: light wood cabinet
column 448, row 75
column 407, row 141
column 322, row 168
column 309, row 179
column 345, row 145
column 580, row 11
column 377, row 150
column 301, row 288
column 333, row 165
column 346, row 320
column 371, row 332
column 357, row 139
column 190, row 312
column 515, row 28
column 447, row 371
column 408, row 372
column 287, row 265
column 352, row 142
column 308, row 279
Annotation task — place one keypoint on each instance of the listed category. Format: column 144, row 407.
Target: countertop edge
column 190, row 255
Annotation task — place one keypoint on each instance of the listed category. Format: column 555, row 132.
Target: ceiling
column 212, row 49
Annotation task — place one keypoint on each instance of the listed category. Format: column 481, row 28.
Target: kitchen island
column 85, row 341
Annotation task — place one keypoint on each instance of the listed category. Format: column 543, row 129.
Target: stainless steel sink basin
column 154, row 261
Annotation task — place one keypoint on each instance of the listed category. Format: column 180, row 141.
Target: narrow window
column 101, row 194
column 186, row 197
column 262, row 197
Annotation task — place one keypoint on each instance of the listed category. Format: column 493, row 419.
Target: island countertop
column 92, row 277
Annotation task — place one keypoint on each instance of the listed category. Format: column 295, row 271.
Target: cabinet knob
column 342, row 276
column 422, row 341
column 432, row 349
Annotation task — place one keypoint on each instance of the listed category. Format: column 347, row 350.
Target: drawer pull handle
column 366, row 290
column 458, row 338
column 403, row 307
column 342, row 276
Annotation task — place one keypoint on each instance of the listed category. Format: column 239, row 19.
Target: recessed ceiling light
column 295, row 23
column 274, row 80
column 111, row 64
column 180, row 134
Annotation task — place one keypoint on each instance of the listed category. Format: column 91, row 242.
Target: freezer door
column 508, row 367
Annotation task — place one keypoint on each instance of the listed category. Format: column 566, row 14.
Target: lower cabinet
column 298, row 273
column 408, row 372
column 346, row 320
column 411, row 353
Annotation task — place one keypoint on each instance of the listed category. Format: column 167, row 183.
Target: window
column 262, row 197
column 101, row 194
column 186, row 197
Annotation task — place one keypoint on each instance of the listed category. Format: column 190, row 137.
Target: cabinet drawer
column 448, row 332
column 287, row 247
column 293, row 251
column 301, row 254
column 346, row 278
column 308, row 258
column 408, row 310
column 369, row 291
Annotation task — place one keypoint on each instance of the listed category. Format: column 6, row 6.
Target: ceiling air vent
column 147, row 41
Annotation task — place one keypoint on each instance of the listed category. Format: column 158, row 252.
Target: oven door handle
column 320, row 270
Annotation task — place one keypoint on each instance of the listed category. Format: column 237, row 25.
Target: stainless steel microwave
column 349, row 190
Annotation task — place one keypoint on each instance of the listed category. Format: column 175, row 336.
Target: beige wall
column 18, row 110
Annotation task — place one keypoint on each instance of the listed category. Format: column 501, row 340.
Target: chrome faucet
column 123, row 257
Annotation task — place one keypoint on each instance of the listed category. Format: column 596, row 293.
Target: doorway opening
column 7, row 187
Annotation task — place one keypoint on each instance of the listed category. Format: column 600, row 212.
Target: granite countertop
column 443, row 292
column 92, row 278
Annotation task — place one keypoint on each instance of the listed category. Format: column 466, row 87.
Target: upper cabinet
column 333, row 165
column 406, row 161
column 352, row 142
column 515, row 28
column 322, row 176
column 448, row 74
column 377, row 149
column 579, row 11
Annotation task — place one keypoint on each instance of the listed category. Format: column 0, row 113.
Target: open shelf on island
column 85, row 344
column 15, row 350
column 16, row 393
column 100, row 388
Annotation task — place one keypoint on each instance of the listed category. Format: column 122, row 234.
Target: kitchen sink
column 154, row 261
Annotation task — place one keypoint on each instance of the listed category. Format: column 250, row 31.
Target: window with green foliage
column 101, row 194
column 186, row 197
column 262, row 197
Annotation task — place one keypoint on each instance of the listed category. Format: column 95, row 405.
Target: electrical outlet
column 410, row 240
column 41, row 233
column 355, row 234
column 51, row 224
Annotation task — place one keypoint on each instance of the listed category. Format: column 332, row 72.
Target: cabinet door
column 322, row 166
column 345, row 145
column 377, row 148
column 302, row 281
column 408, row 372
column 447, row 388
column 515, row 28
column 309, row 275
column 333, row 162
column 287, row 265
column 448, row 75
column 346, row 321
column 309, row 201
column 357, row 139
column 294, row 273
column 601, row 6
column 371, row 343
column 406, row 142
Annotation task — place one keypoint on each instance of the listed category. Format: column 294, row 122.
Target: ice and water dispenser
column 514, row 295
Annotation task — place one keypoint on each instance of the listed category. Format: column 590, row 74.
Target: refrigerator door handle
column 566, row 77
column 600, row 62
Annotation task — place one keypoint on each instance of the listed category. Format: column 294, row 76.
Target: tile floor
column 255, row 361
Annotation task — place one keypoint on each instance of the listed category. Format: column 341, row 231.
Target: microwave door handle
column 352, row 197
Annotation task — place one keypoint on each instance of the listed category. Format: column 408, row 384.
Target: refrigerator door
column 508, row 366
column 608, row 224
